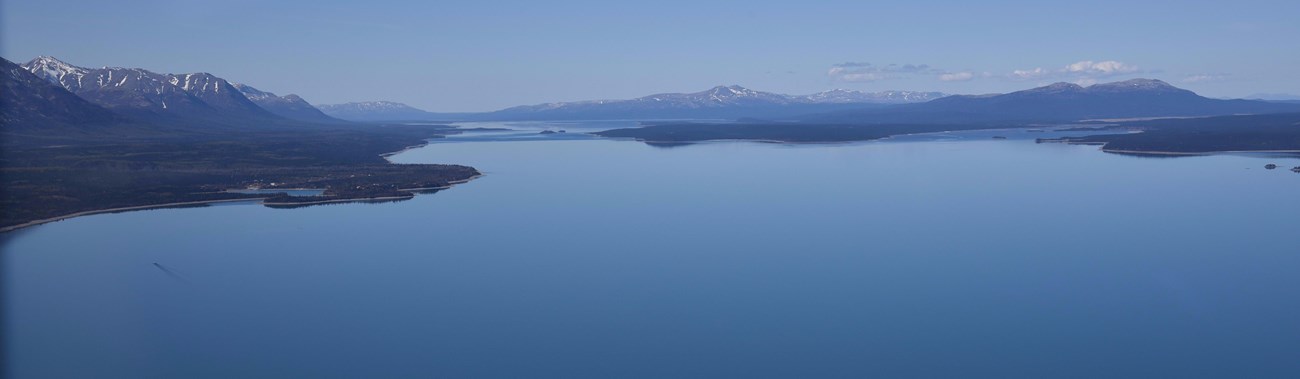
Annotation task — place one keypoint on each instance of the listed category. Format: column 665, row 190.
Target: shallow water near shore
column 935, row 256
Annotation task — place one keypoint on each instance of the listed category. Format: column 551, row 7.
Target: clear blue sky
column 479, row 55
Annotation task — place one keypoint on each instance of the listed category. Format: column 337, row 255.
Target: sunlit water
column 931, row 256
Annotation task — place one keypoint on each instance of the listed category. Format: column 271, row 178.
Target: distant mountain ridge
column 734, row 95
column 1060, row 102
column 202, row 99
column 1273, row 97
column 288, row 106
column 720, row 102
column 377, row 111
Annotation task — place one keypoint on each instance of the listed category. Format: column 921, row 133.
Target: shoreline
column 1183, row 153
column 332, row 201
column 770, row 141
column 259, row 200
column 236, row 190
column 1102, row 147
column 449, row 185
column 404, row 149
column 123, row 209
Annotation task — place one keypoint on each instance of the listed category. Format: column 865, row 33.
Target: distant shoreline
column 1185, row 153
column 449, row 185
column 725, row 140
column 1102, row 147
column 404, row 149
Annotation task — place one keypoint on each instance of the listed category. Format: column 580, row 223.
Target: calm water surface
column 931, row 256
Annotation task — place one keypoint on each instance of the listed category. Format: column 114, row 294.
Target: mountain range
column 47, row 92
column 192, row 99
column 370, row 111
column 1060, row 102
column 198, row 98
column 721, row 102
column 288, row 106
column 29, row 104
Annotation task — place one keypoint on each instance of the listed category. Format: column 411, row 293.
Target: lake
column 949, row 255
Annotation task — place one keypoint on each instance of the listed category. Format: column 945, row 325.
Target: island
column 783, row 132
column 1275, row 133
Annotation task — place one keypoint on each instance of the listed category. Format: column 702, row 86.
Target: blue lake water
column 948, row 255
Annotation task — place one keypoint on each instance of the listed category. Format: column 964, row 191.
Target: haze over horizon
column 476, row 57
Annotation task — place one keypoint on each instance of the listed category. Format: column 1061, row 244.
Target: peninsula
column 53, row 182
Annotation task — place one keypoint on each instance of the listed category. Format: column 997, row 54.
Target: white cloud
column 1198, row 78
column 854, row 72
column 1084, row 82
column 861, row 77
column 957, row 76
column 1080, row 72
column 1101, row 68
column 1035, row 73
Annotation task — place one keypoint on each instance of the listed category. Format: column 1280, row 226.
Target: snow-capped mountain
column 28, row 103
column 288, row 106
column 376, row 111
column 116, row 88
column 216, row 92
column 57, row 71
column 716, row 97
column 143, row 93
